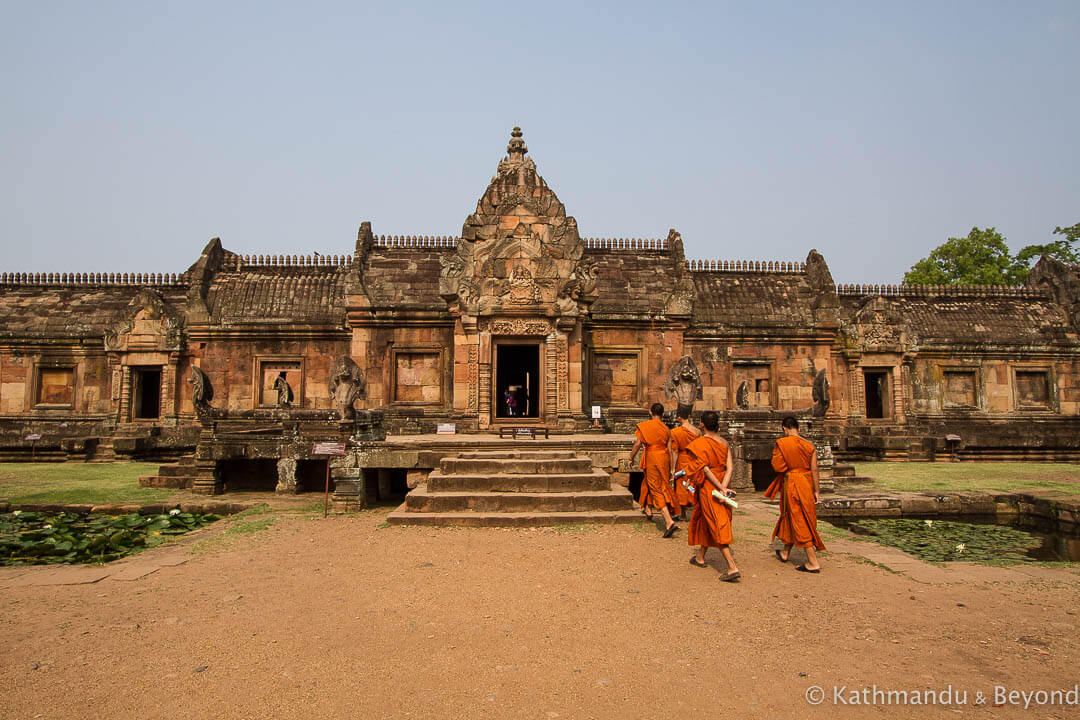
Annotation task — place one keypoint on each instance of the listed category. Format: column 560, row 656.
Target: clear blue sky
column 133, row 132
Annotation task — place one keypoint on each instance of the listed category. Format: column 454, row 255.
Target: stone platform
column 516, row 487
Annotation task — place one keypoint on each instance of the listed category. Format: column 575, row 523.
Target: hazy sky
column 133, row 132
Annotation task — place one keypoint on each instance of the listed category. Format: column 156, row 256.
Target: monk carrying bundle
column 681, row 437
column 710, row 525
column 800, row 490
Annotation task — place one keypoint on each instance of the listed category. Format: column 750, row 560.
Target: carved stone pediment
column 146, row 326
column 879, row 327
column 515, row 326
column 519, row 252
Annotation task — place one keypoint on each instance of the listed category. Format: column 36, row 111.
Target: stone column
column 286, row 471
column 483, row 380
column 125, row 395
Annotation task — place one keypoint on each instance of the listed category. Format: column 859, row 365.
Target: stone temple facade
column 522, row 321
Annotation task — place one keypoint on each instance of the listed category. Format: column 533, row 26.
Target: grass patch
column 238, row 527
column 946, row 477
column 249, row 527
column 94, row 483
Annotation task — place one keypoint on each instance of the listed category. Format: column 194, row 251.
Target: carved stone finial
column 202, row 392
column 516, row 149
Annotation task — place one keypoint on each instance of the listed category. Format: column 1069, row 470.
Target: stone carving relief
column 147, row 325
column 879, row 327
column 284, row 392
column 684, row 383
column 347, row 385
column 519, row 250
column 515, row 326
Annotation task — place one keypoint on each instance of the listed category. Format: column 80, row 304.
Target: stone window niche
column 267, row 372
column 418, row 376
column 959, row 388
column 877, row 385
column 1032, row 389
column 616, row 377
column 55, row 387
column 759, row 382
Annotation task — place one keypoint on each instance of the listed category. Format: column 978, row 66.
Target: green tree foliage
column 983, row 258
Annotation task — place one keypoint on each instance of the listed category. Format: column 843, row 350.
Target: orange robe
column 681, row 438
column 656, row 487
column 792, row 457
column 710, row 525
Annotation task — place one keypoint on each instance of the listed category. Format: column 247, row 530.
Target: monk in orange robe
column 681, row 437
column 656, row 489
column 795, row 459
column 710, row 525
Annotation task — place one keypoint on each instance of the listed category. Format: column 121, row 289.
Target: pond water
column 32, row 538
column 970, row 538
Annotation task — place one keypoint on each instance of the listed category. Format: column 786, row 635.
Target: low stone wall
column 1063, row 510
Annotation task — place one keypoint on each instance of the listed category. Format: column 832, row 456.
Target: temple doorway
column 147, row 395
column 518, row 383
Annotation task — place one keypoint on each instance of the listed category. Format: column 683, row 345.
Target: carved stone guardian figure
column 202, row 392
column 284, row 391
column 742, row 396
column 821, row 394
column 347, row 384
column 684, row 383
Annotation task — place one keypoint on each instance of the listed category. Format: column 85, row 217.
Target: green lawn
column 95, row 483
column 1001, row 476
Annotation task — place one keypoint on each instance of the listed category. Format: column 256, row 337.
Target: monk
column 710, row 525
column 656, row 491
column 799, row 485
column 680, row 439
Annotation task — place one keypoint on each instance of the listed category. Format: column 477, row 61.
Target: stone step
column 852, row 480
column 521, row 454
column 439, row 481
column 174, row 469
column 511, row 519
column 510, row 465
column 178, row 482
column 422, row 500
column 843, row 470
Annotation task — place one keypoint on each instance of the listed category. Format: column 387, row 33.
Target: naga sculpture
column 820, row 394
column 346, row 385
column 284, row 391
column 202, row 392
column 742, row 396
column 684, row 383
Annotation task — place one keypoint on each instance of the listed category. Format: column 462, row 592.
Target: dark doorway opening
column 517, row 381
column 311, row 476
column 761, row 474
column 147, row 393
column 877, row 393
column 258, row 475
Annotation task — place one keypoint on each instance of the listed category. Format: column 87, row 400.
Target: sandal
column 803, row 568
column 693, row 561
column 780, row 557
column 671, row 530
column 731, row 576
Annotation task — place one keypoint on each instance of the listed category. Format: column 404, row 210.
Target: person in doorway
column 799, row 484
column 656, row 491
column 710, row 470
column 510, row 402
column 681, row 437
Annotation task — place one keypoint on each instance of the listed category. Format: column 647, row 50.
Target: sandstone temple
column 232, row 366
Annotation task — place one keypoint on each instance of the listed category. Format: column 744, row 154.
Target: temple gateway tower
column 517, row 287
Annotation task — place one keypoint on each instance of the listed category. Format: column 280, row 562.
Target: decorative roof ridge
column 313, row 260
column 939, row 290
column 85, row 279
column 416, row 241
column 754, row 266
column 593, row 243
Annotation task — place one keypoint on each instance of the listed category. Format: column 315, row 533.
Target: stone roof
column 275, row 294
column 72, row 311
column 404, row 277
column 752, row 299
column 631, row 283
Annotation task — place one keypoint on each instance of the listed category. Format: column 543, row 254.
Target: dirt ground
column 346, row 617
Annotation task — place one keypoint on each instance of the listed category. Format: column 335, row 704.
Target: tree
column 981, row 258
column 1063, row 250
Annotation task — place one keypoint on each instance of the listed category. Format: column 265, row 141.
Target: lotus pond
column 968, row 540
column 33, row 538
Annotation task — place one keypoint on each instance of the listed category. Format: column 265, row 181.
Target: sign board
column 328, row 448
column 32, row 437
column 445, row 429
column 596, row 412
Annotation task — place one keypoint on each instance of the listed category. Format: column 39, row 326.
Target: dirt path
column 345, row 617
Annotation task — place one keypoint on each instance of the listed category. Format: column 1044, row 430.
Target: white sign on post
column 596, row 412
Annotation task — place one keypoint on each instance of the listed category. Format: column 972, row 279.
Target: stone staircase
column 522, row 488
column 844, row 476
column 178, row 475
